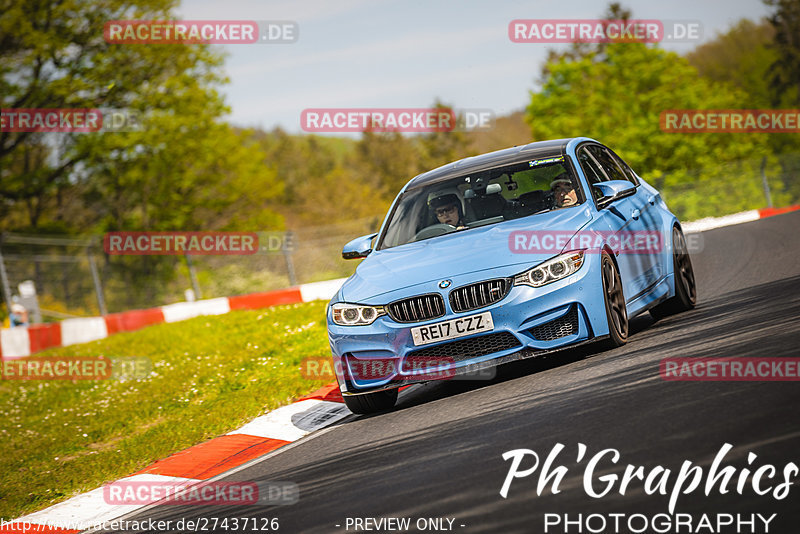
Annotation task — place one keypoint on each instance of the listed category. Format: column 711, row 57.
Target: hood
column 463, row 252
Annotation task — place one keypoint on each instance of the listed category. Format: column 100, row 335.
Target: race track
column 439, row 454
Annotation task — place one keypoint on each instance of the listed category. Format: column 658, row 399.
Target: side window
column 608, row 163
column 591, row 169
column 624, row 166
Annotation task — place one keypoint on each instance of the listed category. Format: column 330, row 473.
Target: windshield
column 477, row 199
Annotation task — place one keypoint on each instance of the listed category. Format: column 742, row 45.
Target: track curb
column 264, row 434
column 260, row 436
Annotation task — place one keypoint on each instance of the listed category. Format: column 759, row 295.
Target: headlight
column 551, row 270
column 355, row 314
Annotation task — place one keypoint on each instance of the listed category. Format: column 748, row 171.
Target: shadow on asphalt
column 513, row 370
column 765, row 326
column 440, row 466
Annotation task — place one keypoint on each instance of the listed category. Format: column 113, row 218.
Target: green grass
column 210, row 375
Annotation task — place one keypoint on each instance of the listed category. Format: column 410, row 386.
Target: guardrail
column 20, row 342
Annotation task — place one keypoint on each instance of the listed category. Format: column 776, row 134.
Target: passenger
column 564, row 191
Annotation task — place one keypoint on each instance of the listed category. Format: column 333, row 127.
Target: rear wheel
column 616, row 312
column 685, row 289
column 380, row 401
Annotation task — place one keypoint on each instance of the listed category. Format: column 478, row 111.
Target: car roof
column 537, row 150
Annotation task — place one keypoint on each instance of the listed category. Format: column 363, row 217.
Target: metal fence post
column 4, row 278
column 193, row 277
column 287, row 248
column 764, row 182
column 98, row 288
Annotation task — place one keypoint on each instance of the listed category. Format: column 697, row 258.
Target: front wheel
column 380, row 401
column 685, row 288
column 616, row 311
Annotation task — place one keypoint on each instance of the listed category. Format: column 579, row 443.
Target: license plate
column 463, row 326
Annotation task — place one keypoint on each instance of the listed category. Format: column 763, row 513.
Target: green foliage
column 187, row 169
column 784, row 73
column 440, row 148
column 388, row 160
column 741, row 57
column 210, row 376
column 783, row 77
column 184, row 165
column 762, row 60
column 618, row 99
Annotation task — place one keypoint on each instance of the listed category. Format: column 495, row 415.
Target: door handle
column 652, row 200
column 635, row 213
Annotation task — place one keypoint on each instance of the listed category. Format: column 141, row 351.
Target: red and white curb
column 24, row 341
column 260, row 436
column 709, row 223
column 196, row 464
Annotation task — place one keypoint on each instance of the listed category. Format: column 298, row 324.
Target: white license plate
column 453, row 328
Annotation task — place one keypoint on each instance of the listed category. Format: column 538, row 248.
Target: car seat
column 486, row 203
column 535, row 201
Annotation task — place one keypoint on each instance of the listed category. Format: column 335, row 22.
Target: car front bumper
column 527, row 322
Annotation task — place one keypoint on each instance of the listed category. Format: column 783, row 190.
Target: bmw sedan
column 504, row 256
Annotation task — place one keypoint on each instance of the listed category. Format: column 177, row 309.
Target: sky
column 409, row 53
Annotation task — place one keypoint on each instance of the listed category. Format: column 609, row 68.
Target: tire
column 614, row 299
column 380, row 401
column 685, row 287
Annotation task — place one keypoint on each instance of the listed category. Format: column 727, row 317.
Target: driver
column 447, row 208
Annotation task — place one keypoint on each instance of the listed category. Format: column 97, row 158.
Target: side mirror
column 359, row 247
column 613, row 190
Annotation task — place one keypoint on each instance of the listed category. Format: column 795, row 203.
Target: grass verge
column 59, row 438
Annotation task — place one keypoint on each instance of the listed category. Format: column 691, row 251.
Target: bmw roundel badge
column 444, row 284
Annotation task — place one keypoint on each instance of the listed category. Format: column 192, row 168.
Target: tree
column 784, row 82
column 184, row 168
column 741, row 57
column 440, row 148
column 578, row 50
column 618, row 100
column 387, row 160
column 785, row 71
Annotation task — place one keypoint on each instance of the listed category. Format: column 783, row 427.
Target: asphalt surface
column 439, row 454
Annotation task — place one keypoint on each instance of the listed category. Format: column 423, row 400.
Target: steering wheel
column 434, row 230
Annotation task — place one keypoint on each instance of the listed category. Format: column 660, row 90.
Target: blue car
column 504, row 256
